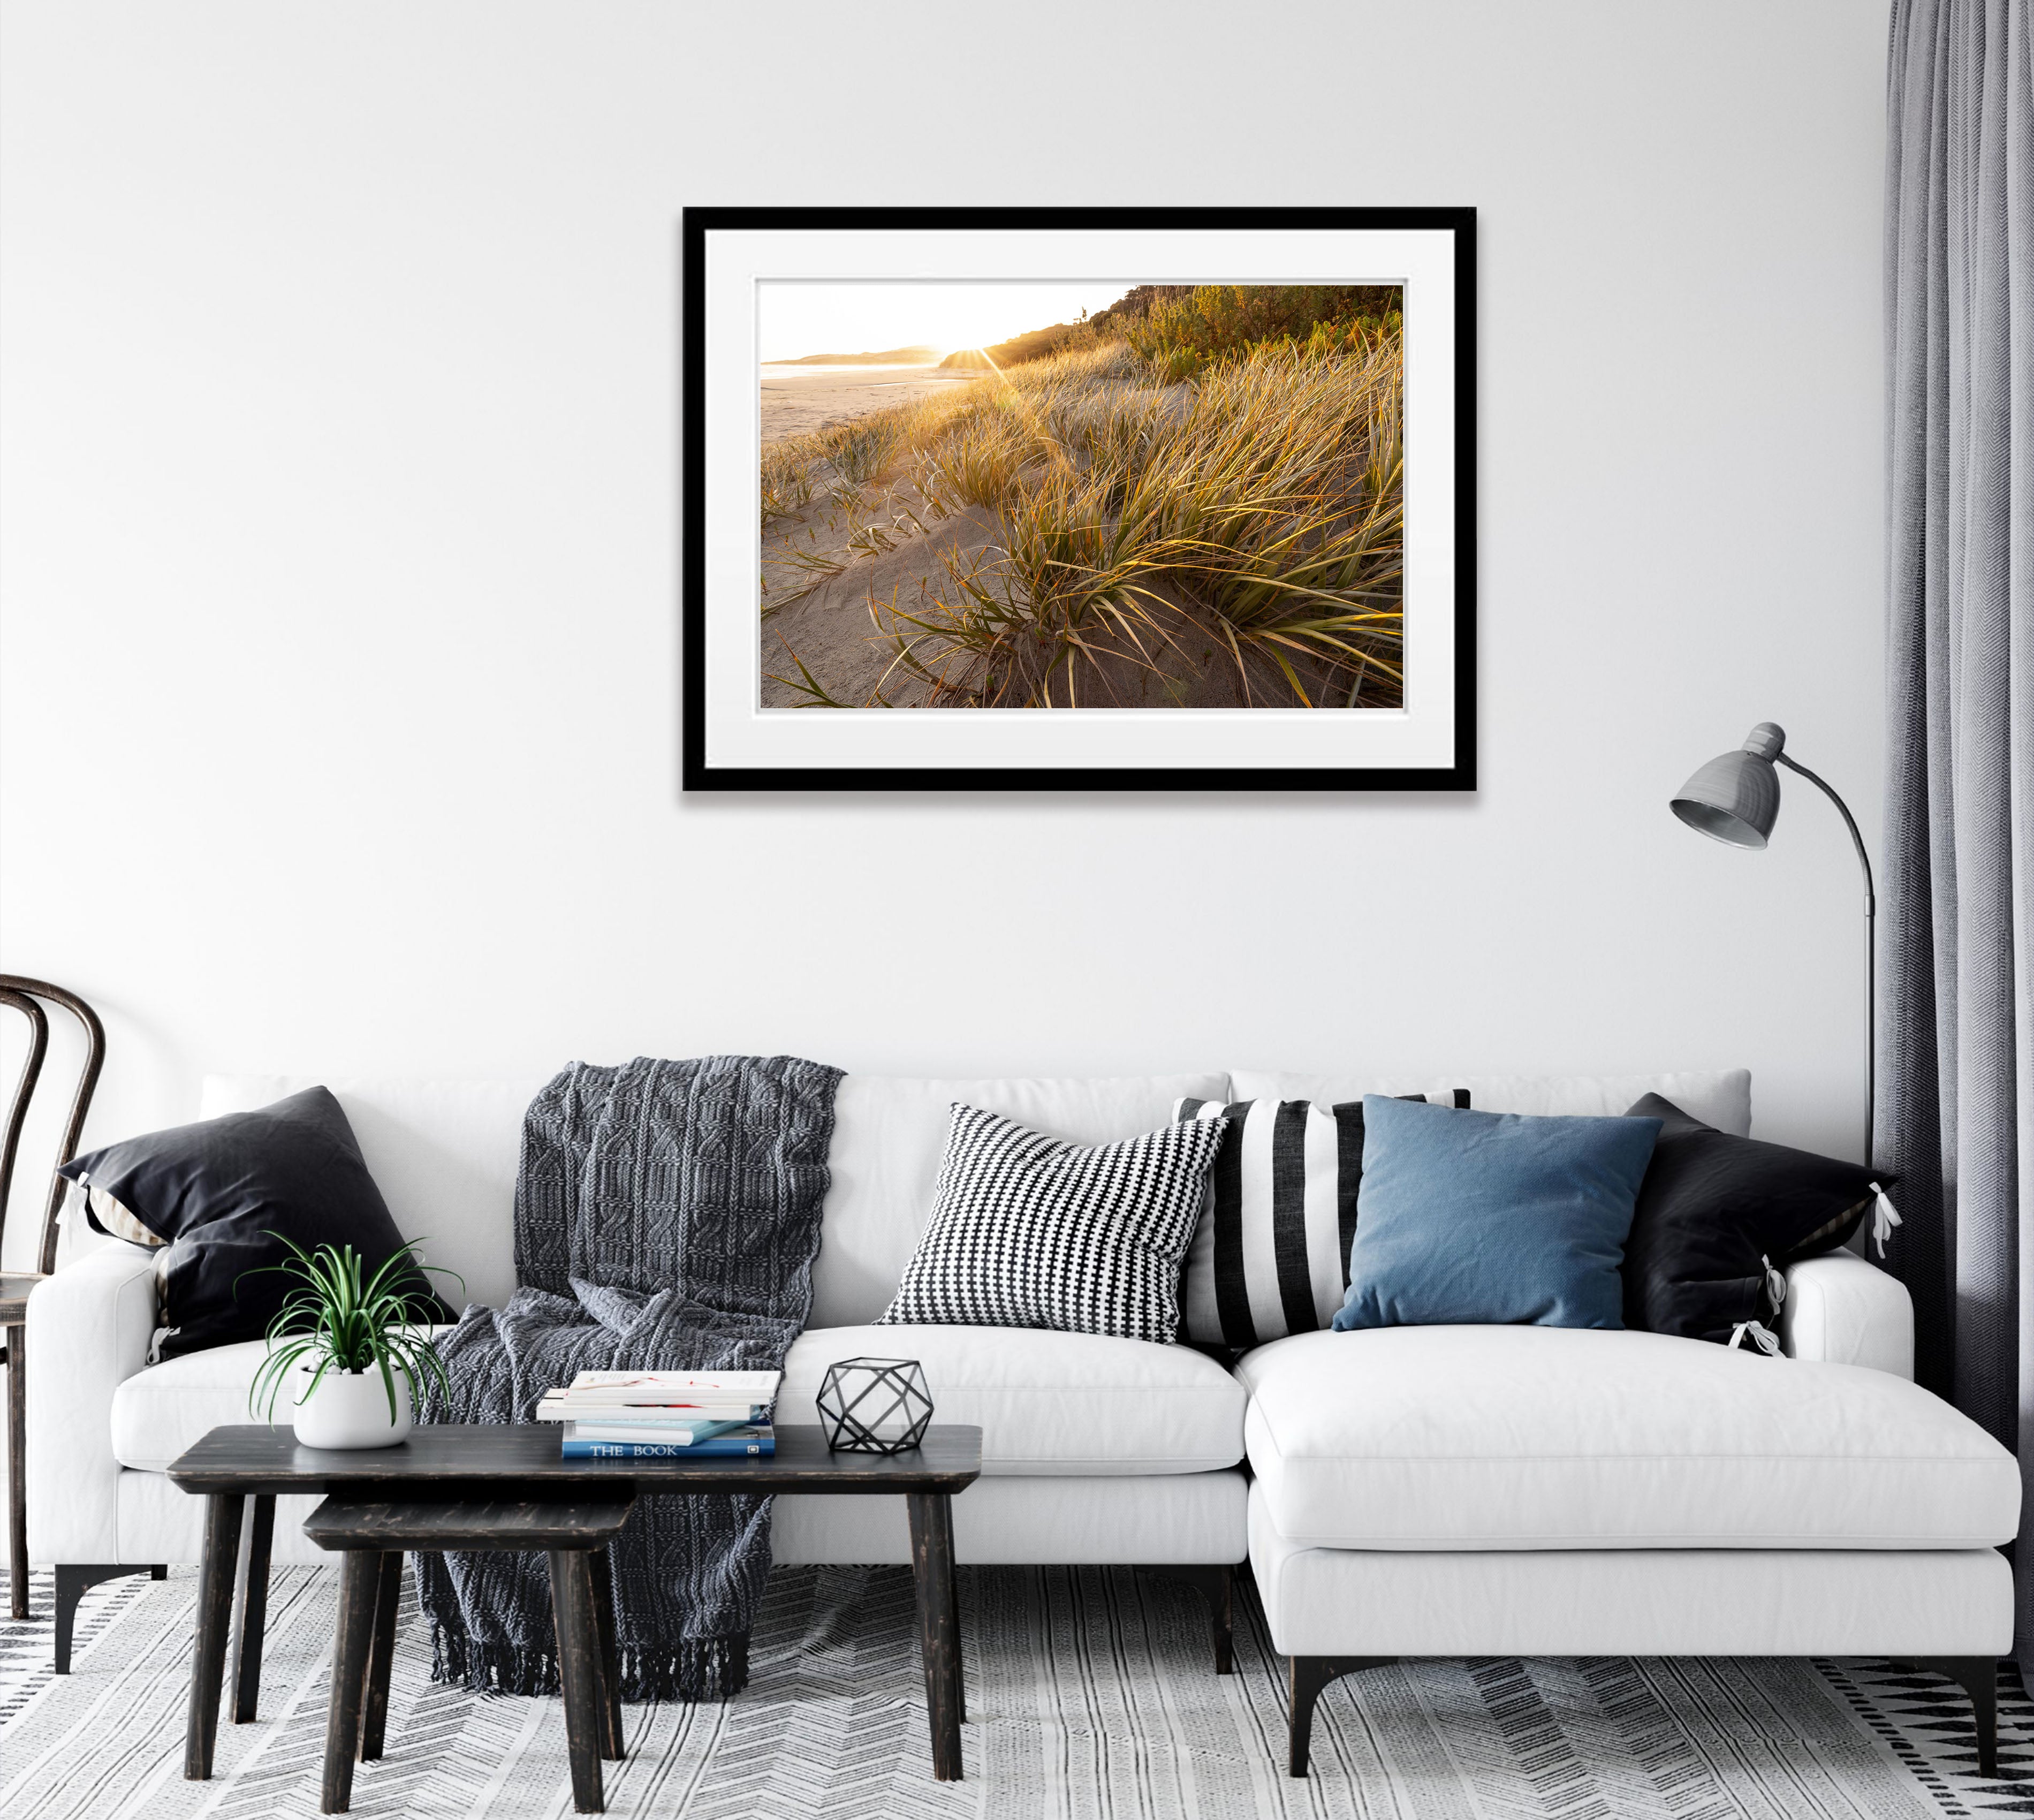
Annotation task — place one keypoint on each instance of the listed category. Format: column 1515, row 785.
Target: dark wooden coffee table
column 469, row 1461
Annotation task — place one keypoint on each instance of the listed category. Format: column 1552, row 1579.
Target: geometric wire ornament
column 875, row 1405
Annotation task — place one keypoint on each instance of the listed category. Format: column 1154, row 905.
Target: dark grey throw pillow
column 219, row 1192
column 1719, row 1217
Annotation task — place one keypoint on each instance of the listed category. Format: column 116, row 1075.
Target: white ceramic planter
column 348, row 1410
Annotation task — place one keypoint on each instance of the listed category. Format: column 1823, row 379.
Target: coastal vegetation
column 1180, row 327
column 1193, row 499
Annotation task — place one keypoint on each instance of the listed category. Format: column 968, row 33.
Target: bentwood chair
column 25, row 996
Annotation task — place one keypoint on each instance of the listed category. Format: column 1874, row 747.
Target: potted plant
column 351, row 1352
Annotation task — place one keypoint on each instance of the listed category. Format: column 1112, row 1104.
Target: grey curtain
column 1956, row 1109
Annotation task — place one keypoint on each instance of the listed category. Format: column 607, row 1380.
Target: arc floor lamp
column 1735, row 799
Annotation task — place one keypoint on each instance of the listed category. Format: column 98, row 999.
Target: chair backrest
column 24, row 1090
column 25, row 996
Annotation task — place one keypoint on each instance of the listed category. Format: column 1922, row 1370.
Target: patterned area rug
column 1090, row 1695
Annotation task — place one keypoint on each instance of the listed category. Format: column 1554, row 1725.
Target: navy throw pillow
column 1486, row 1219
column 218, row 1193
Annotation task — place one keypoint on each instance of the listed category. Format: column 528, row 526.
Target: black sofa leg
column 1977, row 1676
column 1217, row 1584
column 72, row 1582
column 1307, row 1676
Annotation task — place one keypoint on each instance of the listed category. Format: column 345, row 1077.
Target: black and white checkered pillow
column 1030, row 1232
column 1269, row 1255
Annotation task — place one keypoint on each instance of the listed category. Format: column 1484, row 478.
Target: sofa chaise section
column 1548, row 1492
column 1530, row 1437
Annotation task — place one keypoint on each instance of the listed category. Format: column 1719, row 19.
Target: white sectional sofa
column 1407, row 1492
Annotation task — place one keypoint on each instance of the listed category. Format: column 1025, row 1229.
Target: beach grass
column 1155, row 495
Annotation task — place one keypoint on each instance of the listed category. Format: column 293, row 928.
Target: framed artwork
column 1079, row 499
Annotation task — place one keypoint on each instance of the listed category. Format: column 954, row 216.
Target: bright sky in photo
column 799, row 318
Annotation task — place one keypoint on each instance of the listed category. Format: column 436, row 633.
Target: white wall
column 338, row 438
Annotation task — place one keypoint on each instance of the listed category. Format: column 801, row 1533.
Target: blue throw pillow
column 1480, row 1219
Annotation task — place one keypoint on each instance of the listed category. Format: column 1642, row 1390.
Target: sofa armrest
column 89, row 1326
column 1842, row 1310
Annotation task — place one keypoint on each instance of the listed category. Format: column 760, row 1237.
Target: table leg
column 359, row 1574
column 953, row 1605
column 214, row 1616
column 939, row 1626
column 610, row 1654
column 253, row 1613
column 388, row 1597
column 579, row 1669
column 17, row 1469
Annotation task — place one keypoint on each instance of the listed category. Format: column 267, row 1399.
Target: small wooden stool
column 374, row 1536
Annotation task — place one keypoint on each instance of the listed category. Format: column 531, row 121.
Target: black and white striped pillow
column 1028, row 1231
column 1270, row 1255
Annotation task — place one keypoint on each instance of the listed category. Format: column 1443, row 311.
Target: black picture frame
column 696, row 774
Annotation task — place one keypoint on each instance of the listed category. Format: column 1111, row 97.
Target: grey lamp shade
column 1736, row 797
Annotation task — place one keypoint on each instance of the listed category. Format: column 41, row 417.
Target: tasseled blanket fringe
column 700, row 1669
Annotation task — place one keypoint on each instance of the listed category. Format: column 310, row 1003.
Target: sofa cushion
column 1719, row 1097
column 1575, row 1438
column 159, row 1412
column 1047, row 1404
column 444, row 1153
column 889, row 1132
column 1050, row 1405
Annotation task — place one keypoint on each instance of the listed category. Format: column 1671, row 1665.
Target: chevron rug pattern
column 1089, row 1697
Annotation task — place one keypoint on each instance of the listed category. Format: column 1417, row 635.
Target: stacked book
column 664, row 1415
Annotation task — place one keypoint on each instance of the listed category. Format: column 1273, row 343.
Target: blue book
column 721, row 1445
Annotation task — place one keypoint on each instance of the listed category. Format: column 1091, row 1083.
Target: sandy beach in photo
column 799, row 398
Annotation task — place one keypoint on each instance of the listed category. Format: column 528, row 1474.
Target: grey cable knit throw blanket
column 667, row 1214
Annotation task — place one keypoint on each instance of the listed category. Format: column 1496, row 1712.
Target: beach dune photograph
column 1081, row 496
